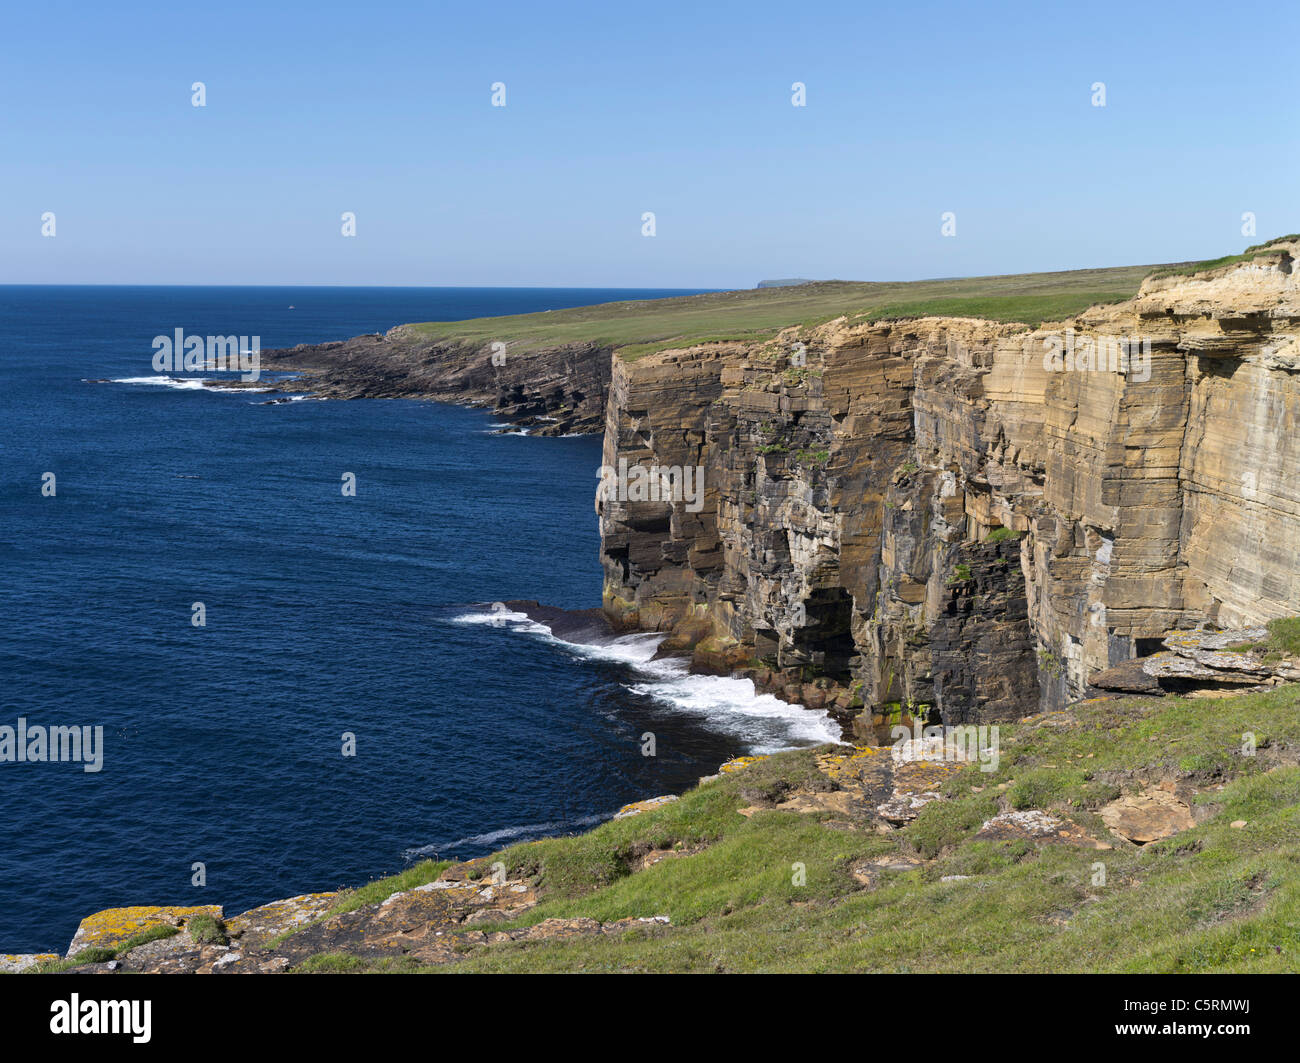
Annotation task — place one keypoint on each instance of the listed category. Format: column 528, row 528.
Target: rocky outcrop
column 1203, row 663
column 1157, row 812
column 439, row 922
column 960, row 519
column 550, row 391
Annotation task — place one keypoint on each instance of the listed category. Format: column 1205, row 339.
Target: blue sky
column 384, row 109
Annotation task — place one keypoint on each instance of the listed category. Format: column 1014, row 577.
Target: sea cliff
column 944, row 515
column 964, row 515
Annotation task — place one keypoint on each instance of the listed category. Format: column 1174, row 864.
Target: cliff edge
column 963, row 519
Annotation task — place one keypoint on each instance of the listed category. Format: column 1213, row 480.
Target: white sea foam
column 733, row 706
column 494, row 838
column 515, row 621
column 767, row 723
column 182, row 383
column 188, row 383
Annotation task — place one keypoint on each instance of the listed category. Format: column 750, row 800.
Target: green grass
column 1213, row 898
column 1283, row 640
column 207, row 930
column 1200, row 267
column 999, row 535
column 1284, row 636
column 332, row 963
column 640, row 327
column 346, row 963
column 1030, row 309
column 636, row 328
column 1186, row 269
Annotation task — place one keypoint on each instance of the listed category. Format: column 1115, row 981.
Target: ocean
column 325, row 615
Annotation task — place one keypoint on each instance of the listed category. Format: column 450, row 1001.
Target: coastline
column 123, row 930
column 894, row 535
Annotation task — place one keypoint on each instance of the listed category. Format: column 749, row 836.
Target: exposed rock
column 838, row 801
column 656, row 856
column 552, row 391
column 739, row 764
column 1157, row 812
column 113, row 926
column 868, row 872
column 15, row 963
column 1036, row 826
column 262, row 924
column 1128, row 677
column 649, row 804
column 1202, row 661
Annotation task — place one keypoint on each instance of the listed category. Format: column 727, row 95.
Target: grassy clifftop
column 641, row 325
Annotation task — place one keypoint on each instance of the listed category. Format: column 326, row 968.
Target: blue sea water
column 325, row 614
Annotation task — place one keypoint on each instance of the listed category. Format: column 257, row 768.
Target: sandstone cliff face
column 853, row 474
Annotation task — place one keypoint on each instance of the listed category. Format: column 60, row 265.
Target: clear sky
column 684, row 109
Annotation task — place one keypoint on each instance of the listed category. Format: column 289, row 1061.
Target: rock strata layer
column 964, row 520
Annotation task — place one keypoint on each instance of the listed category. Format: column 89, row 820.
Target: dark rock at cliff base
column 583, row 626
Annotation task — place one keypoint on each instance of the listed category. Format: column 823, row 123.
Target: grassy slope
column 1214, row 898
column 1251, row 253
column 750, row 314
column 638, row 327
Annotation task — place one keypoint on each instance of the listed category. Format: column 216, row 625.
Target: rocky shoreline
column 553, row 392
